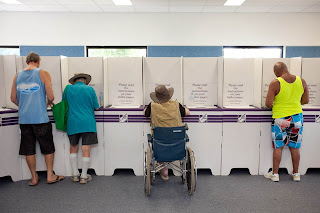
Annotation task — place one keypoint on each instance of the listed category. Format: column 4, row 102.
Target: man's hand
column 50, row 103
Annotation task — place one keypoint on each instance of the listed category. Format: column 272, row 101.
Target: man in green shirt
column 82, row 101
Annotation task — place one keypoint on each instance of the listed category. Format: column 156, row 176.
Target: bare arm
column 305, row 95
column 274, row 89
column 13, row 95
column 46, row 79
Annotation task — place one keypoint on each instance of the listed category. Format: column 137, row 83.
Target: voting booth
column 94, row 67
column 200, row 95
column 266, row 149
column 123, row 120
column 241, row 118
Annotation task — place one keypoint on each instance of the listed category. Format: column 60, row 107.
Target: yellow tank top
column 166, row 114
column 287, row 102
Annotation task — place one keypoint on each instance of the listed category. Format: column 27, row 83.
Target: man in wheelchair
column 165, row 113
column 167, row 145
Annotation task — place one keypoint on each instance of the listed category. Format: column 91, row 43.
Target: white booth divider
column 165, row 71
column 241, row 125
column 125, row 81
column 240, row 86
column 123, row 130
column 93, row 67
column 3, row 101
column 200, row 85
column 10, row 162
column 9, row 71
column 311, row 74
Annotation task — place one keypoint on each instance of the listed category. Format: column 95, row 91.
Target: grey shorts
column 88, row 138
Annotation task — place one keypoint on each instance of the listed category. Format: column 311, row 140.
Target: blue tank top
column 32, row 97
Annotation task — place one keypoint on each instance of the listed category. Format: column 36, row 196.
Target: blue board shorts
column 287, row 131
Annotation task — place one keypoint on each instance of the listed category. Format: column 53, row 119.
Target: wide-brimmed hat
column 161, row 94
column 80, row 75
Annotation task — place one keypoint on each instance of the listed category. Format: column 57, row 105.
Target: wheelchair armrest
column 187, row 138
column 149, row 138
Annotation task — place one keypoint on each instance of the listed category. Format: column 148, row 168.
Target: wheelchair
column 167, row 145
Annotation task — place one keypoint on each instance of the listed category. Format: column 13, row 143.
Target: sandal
column 59, row 178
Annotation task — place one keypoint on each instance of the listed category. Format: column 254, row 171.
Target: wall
column 158, row 29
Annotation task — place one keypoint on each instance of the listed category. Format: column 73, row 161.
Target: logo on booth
column 28, row 88
column 242, row 118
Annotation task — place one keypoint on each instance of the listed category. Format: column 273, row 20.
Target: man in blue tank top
column 32, row 92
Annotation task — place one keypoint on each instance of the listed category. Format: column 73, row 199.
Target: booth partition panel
column 165, row 71
column 200, row 81
column 125, row 81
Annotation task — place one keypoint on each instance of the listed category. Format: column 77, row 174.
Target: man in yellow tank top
column 165, row 113
column 285, row 96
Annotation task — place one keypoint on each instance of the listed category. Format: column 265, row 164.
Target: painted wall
column 70, row 51
column 159, row 29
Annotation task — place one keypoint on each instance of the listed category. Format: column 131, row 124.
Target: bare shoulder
column 275, row 82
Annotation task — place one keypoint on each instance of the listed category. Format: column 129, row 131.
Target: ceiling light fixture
column 233, row 2
column 122, row 2
column 10, row 1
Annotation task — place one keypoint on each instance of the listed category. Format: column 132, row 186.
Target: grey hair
column 32, row 57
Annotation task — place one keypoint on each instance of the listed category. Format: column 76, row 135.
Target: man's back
column 82, row 101
column 31, row 95
column 287, row 101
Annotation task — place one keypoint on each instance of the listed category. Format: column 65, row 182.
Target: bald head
column 280, row 68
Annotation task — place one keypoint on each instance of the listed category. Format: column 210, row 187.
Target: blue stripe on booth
column 71, row 51
column 186, row 51
column 303, row 51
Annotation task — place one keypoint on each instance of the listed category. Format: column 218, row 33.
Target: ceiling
column 164, row 6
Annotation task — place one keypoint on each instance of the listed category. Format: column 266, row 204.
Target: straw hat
column 161, row 94
column 80, row 75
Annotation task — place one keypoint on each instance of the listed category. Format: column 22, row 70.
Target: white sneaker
column 85, row 180
column 296, row 177
column 271, row 176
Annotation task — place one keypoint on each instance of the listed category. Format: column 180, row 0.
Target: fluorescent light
column 122, row 2
column 233, row 2
column 10, row 1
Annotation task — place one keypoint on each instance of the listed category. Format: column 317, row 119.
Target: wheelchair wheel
column 191, row 179
column 147, row 172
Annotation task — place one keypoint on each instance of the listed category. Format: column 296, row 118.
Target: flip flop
column 59, row 178
column 30, row 182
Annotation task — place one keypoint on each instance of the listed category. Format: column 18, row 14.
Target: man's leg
column 295, row 155
column 85, row 160
column 31, row 161
column 50, row 176
column 74, row 161
column 277, row 153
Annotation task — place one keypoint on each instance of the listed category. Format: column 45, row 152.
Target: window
column 253, row 52
column 9, row 50
column 116, row 51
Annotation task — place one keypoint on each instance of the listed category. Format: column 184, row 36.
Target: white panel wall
column 91, row 66
column 9, row 65
column 165, row 71
column 125, row 81
column 200, row 81
column 3, row 102
column 311, row 74
column 162, row 29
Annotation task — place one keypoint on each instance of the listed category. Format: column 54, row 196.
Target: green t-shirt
column 82, row 101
